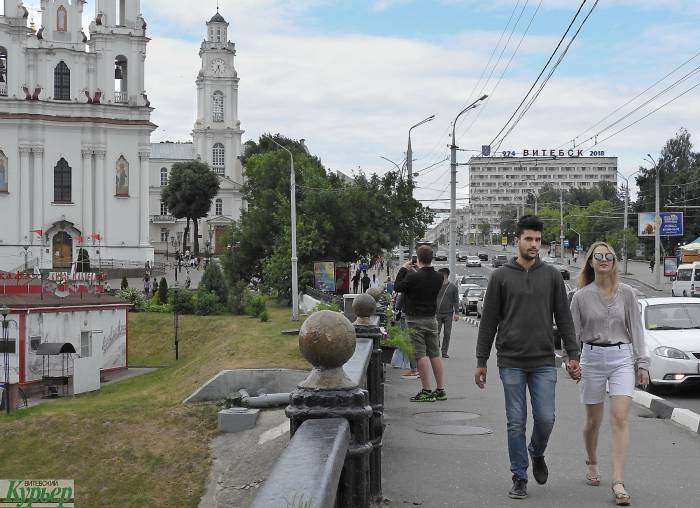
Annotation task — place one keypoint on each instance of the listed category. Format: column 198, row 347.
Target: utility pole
column 453, row 191
column 657, row 232
column 624, row 230
column 409, row 169
column 561, row 225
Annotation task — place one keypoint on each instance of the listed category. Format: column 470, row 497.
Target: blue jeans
column 541, row 382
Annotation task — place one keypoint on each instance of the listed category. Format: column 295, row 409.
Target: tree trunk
column 185, row 236
column 195, row 223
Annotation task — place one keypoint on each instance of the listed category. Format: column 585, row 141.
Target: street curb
column 472, row 321
column 661, row 408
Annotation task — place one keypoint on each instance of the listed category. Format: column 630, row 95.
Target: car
column 499, row 260
column 441, row 255
column 483, row 256
column 463, row 290
column 564, row 271
column 473, row 261
column 672, row 340
column 474, row 280
column 470, row 299
column 461, row 256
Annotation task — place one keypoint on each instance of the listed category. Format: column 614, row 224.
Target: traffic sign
column 566, row 243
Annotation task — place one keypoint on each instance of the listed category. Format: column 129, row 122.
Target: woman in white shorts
column 609, row 330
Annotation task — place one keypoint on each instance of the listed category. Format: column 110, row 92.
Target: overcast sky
column 351, row 76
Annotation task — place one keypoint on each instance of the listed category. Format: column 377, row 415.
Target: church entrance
column 62, row 250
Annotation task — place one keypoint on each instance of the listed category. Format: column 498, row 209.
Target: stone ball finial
column 375, row 293
column 364, row 306
column 327, row 340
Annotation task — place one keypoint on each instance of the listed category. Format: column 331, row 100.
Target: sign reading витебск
column 543, row 152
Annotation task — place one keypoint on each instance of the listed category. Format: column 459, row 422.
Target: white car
column 473, row 261
column 672, row 337
column 463, row 289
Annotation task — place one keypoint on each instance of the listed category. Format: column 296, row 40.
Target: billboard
column 670, row 266
column 324, row 276
column 671, row 224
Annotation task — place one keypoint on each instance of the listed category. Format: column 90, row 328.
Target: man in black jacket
column 420, row 289
column 520, row 300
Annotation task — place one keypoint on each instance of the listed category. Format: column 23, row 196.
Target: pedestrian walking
column 355, row 282
column 521, row 298
column 608, row 326
column 651, row 265
column 376, row 283
column 365, row 282
column 447, row 310
column 389, row 284
column 420, row 289
column 146, row 285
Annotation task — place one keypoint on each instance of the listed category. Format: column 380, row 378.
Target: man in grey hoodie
column 521, row 298
column 447, row 309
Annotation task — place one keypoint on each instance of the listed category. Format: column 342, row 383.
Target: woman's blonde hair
column 587, row 274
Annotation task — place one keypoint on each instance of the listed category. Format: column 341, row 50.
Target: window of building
column 219, row 206
column 61, row 19
column 11, row 346
column 163, row 177
column 3, row 71
column 34, row 342
column 217, row 158
column 61, row 82
column 85, row 345
column 164, row 234
column 217, row 109
column 163, row 208
column 62, row 182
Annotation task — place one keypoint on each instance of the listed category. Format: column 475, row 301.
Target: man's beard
column 526, row 255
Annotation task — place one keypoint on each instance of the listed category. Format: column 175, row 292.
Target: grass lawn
column 133, row 444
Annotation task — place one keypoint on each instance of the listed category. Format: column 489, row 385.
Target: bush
column 236, row 298
column 213, row 280
column 163, row 291
column 401, row 339
column 153, row 305
column 327, row 306
column 182, row 301
column 263, row 316
column 306, row 279
column 125, row 283
column 254, row 303
column 134, row 297
column 207, row 303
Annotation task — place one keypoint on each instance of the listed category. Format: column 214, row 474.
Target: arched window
column 121, row 95
column 163, row 177
column 3, row 172
column 217, row 107
column 219, row 206
column 61, row 82
column 3, row 71
column 62, row 182
column 61, row 19
column 217, row 158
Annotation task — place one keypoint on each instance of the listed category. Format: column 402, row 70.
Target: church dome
column 217, row 18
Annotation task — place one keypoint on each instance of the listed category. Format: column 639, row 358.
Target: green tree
column 163, row 291
column 83, row 264
column 337, row 218
column 485, row 230
column 191, row 187
column 213, row 281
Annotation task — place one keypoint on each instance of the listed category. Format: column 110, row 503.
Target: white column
column 144, row 157
column 38, row 189
column 88, row 193
column 100, row 195
column 24, row 187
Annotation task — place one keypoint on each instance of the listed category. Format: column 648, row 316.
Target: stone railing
column 336, row 417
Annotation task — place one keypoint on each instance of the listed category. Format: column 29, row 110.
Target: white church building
column 77, row 168
column 216, row 141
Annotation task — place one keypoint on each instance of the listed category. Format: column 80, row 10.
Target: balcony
column 3, row 89
column 162, row 219
column 121, row 98
column 219, row 170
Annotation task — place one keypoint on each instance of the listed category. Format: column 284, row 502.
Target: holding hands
column 574, row 369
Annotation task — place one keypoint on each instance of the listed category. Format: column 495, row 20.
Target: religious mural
column 122, row 177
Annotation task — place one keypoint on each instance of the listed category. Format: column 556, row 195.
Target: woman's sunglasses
column 599, row 256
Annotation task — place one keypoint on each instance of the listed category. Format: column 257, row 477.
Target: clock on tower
column 218, row 67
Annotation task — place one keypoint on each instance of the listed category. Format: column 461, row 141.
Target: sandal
column 622, row 498
column 592, row 476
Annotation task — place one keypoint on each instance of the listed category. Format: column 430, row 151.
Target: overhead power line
column 551, row 57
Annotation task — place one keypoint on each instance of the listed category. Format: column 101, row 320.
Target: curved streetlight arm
column 389, row 160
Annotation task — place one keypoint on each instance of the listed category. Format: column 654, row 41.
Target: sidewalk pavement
column 137, row 283
column 433, row 470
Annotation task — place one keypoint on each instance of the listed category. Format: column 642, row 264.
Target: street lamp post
column 409, row 168
column 27, row 252
column 657, row 221
column 167, row 234
column 4, row 311
column 293, row 206
column 453, row 189
column 625, row 254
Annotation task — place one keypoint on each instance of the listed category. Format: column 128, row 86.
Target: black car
column 441, row 255
column 499, row 260
column 565, row 274
column 483, row 256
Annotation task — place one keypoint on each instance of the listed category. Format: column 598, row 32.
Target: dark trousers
column 446, row 321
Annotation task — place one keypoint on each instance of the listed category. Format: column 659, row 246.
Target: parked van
column 687, row 282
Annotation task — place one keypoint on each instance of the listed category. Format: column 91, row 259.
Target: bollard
column 327, row 340
column 364, row 309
